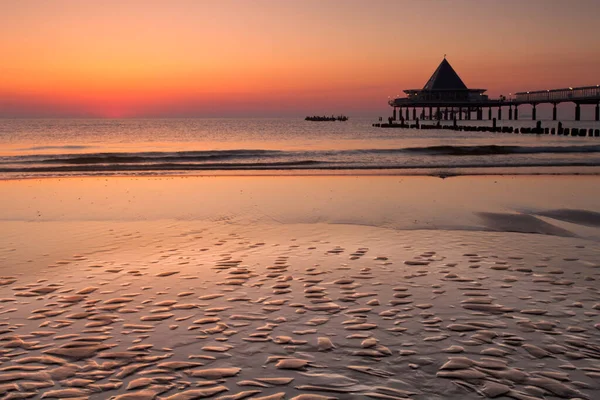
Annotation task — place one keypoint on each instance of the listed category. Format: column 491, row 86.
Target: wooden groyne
column 537, row 130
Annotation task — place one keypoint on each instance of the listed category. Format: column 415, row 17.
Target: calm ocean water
column 40, row 148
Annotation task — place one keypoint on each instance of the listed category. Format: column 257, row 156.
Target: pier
column 445, row 97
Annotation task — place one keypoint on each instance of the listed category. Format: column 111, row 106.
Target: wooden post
column 534, row 113
column 554, row 112
column 577, row 112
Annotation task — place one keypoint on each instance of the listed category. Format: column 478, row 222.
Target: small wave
column 408, row 158
column 142, row 157
column 66, row 147
column 498, row 149
column 166, row 167
column 283, row 165
column 261, row 154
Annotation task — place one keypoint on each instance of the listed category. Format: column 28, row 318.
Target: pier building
column 445, row 97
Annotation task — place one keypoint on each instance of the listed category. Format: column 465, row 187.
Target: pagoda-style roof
column 445, row 78
column 444, row 87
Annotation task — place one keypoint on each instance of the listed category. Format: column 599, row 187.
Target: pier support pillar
column 437, row 113
column 499, row 113
column 598, row 112
column 554, row 112
column 490, row 114
column 577, row 112
column 414, row 113
column 395, row 114
column 516, row 112
column 407, row 114
column 534, row 113
column 430, row 113
column 510, row 113
column 460, row 113
column 446, row 114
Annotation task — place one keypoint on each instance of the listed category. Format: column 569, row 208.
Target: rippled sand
column 311, row 312
column 172, row 309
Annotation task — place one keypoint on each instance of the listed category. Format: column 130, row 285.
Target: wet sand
column 226, row 288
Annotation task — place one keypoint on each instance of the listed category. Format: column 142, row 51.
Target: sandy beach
column 307, row 287
column 309, row 200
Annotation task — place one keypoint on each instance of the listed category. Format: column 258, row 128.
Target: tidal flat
column 188, row 288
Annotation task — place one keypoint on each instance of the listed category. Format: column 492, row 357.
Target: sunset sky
column 185, row 58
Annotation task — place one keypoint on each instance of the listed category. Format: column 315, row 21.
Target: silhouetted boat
column 342, row 118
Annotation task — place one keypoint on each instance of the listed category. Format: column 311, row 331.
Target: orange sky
column 116, row 58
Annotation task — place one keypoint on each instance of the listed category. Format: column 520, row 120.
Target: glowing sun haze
column 115, row 58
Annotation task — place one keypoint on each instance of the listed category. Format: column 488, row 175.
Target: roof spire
column 445, row 78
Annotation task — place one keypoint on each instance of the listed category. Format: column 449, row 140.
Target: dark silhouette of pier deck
column 446, row 97
column 578, row 95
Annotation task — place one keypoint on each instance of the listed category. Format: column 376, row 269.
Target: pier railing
column 400, row 102
column 581, row 95
column 559, row 95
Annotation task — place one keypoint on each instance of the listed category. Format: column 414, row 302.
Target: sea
column 36, row 148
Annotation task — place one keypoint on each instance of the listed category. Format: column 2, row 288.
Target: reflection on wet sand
column 244, row 306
